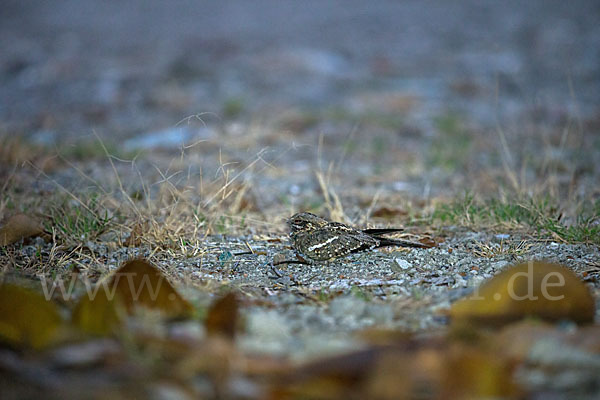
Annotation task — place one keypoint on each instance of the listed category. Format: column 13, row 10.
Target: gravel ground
column 303, row 311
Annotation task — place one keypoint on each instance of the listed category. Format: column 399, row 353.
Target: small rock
column 498, row 265
column 402, row 264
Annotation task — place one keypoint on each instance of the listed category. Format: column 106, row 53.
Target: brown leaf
column 138, row 283
column 388, row 212
column 536, row 289
column 17, row 227
column 27, row 318
column 427, row 241
column 222, row 316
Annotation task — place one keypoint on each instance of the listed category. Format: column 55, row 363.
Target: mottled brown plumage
column 317, row 239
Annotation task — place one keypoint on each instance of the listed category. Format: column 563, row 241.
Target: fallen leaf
column 388, row 212
column 430, row 242
column 222, row 316
column 138, row 283
column 98, row 315
column 17, row 227
column 27, row 318
column 535, row 289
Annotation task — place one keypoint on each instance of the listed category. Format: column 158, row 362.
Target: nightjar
column 317, row 239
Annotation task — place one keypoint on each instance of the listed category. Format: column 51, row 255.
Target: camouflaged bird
column 317, row 239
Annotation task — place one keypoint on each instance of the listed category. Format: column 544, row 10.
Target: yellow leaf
column 98, row 315
column 535, row 289
column 17, row 227
column 138, row 283
column 26, row 318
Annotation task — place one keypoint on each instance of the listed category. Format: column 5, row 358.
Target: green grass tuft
column 79, row 222
column 540, row 215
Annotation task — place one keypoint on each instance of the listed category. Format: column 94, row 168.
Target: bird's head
column 305, row 221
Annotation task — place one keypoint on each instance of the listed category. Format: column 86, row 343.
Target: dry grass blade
column 491, row 250
column 332, row 200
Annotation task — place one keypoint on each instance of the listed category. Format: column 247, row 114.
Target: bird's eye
column 299, row 224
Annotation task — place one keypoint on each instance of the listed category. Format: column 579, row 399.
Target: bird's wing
column 334, row 240
column 351, row 235
column 381, row 231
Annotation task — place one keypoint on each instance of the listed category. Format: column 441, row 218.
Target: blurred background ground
column 417, row 99
column 140, row 127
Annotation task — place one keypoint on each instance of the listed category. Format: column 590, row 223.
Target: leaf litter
column 18, row 227
column 468, row 360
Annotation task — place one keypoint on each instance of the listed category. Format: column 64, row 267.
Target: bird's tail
column 384, row 242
